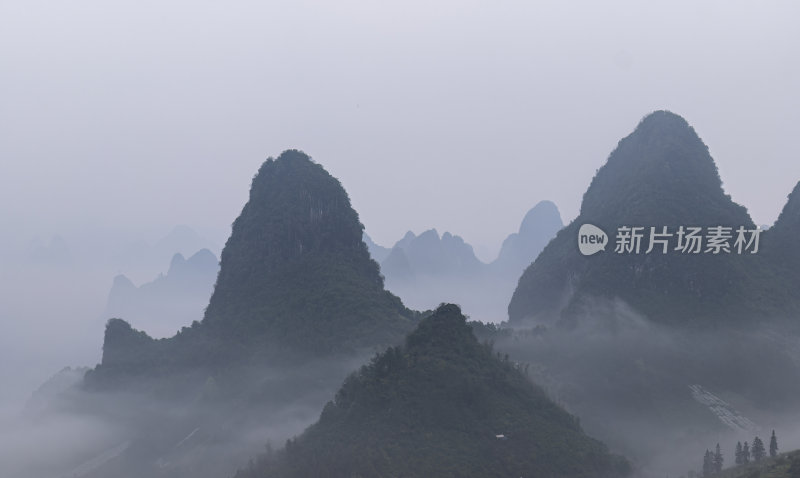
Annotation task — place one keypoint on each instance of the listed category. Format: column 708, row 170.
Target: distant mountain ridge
column 169, row 302
column 432, row 255
column 520, row 249
column 378, row 253
column 141, row 259
column 429, row 268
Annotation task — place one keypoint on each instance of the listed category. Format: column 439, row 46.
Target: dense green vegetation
column 441, row 405
column 660, row 175
column 785, row 465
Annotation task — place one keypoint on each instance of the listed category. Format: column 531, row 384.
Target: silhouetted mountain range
column 169, row 302
column 139, row 258
column 693, row 347
column 656, row 352
column 426, row 269
column 431, row 255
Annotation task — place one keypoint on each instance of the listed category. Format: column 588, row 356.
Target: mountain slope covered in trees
column 661, row 175
column 785, row 465
column 441, row 405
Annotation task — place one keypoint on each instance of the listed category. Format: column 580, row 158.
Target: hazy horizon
column 140, row 116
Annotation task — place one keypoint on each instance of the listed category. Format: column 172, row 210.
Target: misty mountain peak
column 198, row 263
column 122, row 344
column 203, row 256
column 407, row 239
column 296, row 260
column 431, row 235
column 447, row 328
column 657, row 123
column 121, row 282
column 177, row 262
column 543, row 216
column 429, row 255
column 660, row 175
column 171, row 300
column 519, row 249
column 442, row 405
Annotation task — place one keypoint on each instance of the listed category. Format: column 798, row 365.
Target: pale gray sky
column 458, row 115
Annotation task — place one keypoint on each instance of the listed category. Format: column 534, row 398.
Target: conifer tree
column 718, row 460
column 759, row 453
column 708, row 464
column 773, row 445
column 738, row 458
